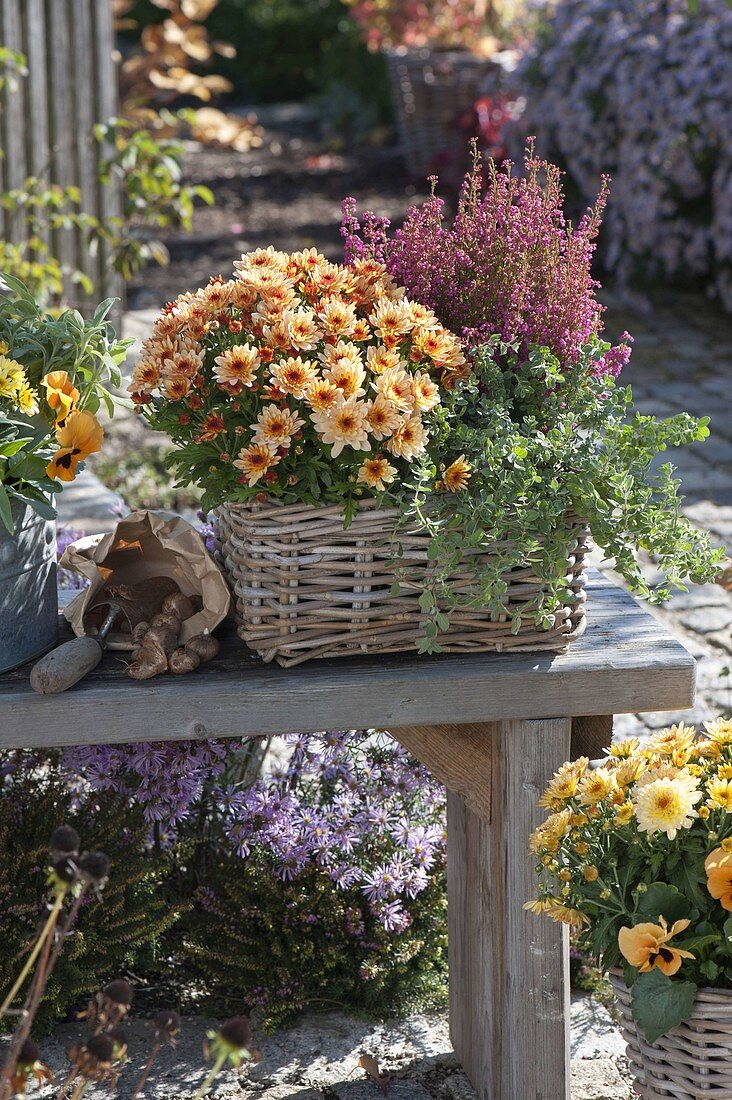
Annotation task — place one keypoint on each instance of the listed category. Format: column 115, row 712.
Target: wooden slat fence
column 46, row 124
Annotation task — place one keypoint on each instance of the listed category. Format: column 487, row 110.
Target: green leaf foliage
column 660, row 1003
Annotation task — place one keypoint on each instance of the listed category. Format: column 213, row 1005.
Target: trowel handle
column 68, row 663
column 65, row 666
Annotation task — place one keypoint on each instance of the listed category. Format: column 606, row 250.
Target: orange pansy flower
column 718, row 866
column 646, row 946
column 61, row 393
column 80, row 436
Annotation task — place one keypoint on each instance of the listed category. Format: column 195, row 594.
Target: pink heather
column 509, row 263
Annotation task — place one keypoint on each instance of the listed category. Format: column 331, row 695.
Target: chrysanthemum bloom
column 255, row 461
column 666, row 804
column 718, row 866
column 383, row 416
column 337, row 317
column 390, row 321
column 276, row 426
column 79, row 436
column 376, row 473
column 719, row 731
column 237, row 367
column 277, row 336
column 621, row 750
column 420, row 316
column 379, row 359
column 624, row 815
column 426, row 391
column 322, row 395
column 565, row 914
column 409, row 439
column 395, row 384
column 307, row 260
column 564, row 783
column 331, row 278
column 61, row 393
column 293, row 375
column 186, row 361
column 346, row 376
column 302, row 329
column 361, row 330
column 546, row 837
column 457, row 475
column 629, row 771
column 217, row 294
column 344, row 349
column 27, row 400
column 669, row 741
column 146, row 375
column 646, row 946
column 176, row 386
column 596, row 785
column 345, row 425
column 212, row 427
column 262, row 258
column 719, row 794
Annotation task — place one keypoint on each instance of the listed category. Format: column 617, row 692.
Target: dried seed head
column 64, row 842
column 119, row 992
column 95, row 868
column 236, row 1032
column 100, row 1047
column 64, row 870
column 166, row 1024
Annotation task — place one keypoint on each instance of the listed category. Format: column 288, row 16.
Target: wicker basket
column 431, row 89
column 306, row 588
column 691, row 1062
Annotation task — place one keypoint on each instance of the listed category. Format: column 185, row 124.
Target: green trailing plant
column 528, row 442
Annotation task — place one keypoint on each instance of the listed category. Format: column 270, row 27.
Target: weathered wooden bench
column 492, row 728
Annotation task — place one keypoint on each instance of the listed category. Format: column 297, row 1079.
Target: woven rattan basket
column 306, row 588
column 691, row 1062
column 430, row 90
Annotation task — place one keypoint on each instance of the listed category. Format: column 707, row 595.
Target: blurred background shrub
column 643, row 92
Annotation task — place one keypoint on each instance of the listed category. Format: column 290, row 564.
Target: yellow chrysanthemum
column 719, row 794
column 12, row 377
column 547, row 836
column 345, row 425
column 376, row 473
column 621, row 750
column 719, row 731
column 667, row 804
column 563, row 785
column 624, row 815
column 565, row 914
column 596, row 786
column 27, row 400
column 668, row 741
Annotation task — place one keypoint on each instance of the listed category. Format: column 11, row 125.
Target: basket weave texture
column 692, row 1061
column 305, row 587
column 430, row 90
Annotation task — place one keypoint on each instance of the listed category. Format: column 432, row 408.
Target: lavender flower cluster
column 353, row 804
column 643, row 92
column 507, row 264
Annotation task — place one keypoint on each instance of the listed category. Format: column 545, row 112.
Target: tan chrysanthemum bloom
column 376, row 472
column 345, row 425
column 293, row 375
column 322, row 395
column 380, row 358
column 344, row 349
column 719, row 794
column 276, row 426
column 261, row 259
column 395, row 384
column 383, row 416
column 237, row 366
column 426, row 392
column 346, row 376
column 302, row 328
column 337, row 317
column 564, row 783
column 457, row 475
column 390, row 321
column 409, row 439
column 255, row 461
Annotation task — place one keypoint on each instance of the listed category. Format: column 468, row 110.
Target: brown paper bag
column 143, row 545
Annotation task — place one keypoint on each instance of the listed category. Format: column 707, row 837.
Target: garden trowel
column 68, row 663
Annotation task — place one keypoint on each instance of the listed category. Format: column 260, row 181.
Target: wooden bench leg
column 509, row 969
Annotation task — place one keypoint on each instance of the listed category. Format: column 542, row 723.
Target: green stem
column 215, row 1070
column 34, row 954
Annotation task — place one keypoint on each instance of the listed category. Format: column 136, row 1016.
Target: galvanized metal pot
column 28, row 594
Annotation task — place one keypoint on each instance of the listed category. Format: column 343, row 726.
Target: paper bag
column 143, row 545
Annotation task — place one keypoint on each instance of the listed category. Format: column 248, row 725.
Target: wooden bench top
column 625, row 662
